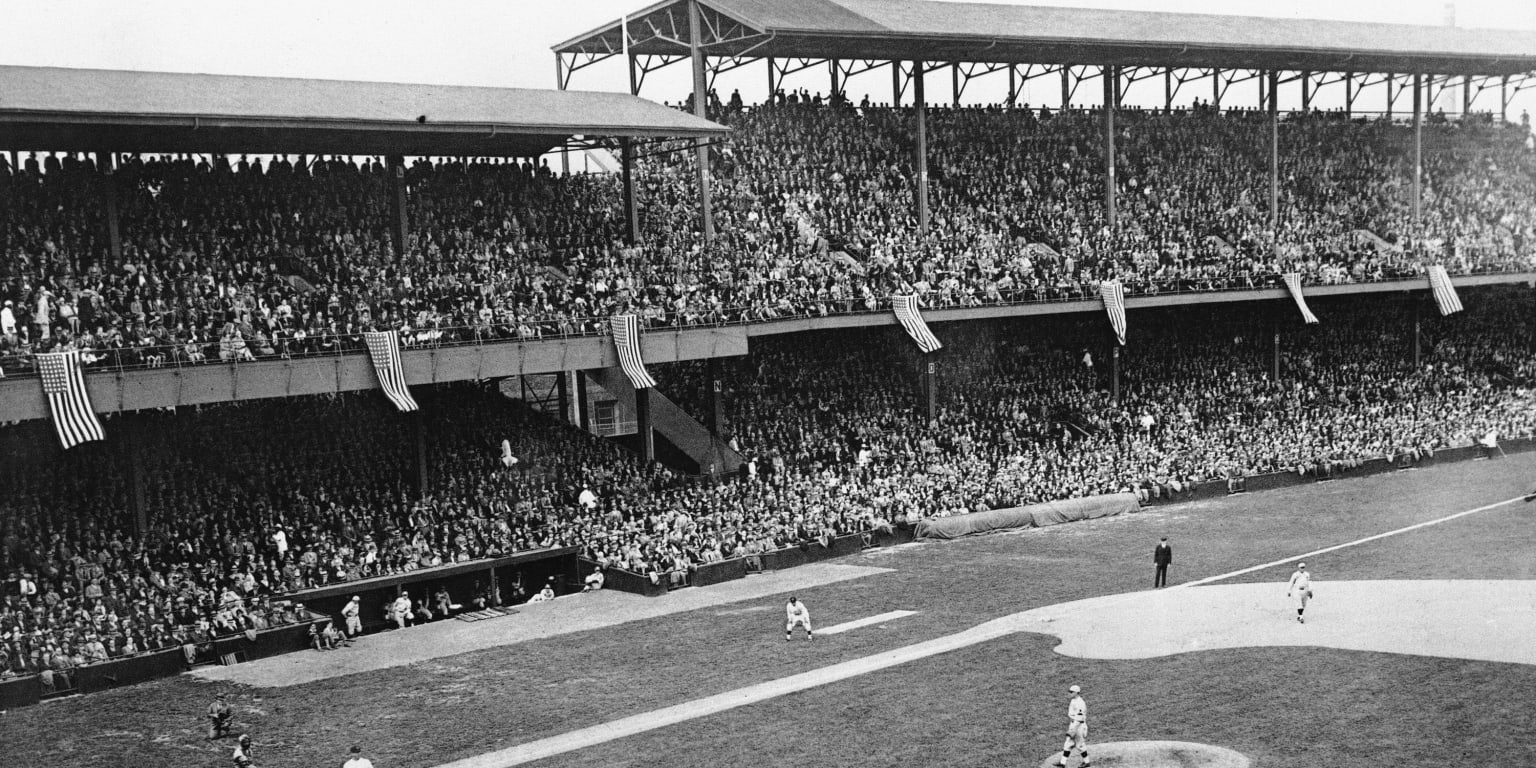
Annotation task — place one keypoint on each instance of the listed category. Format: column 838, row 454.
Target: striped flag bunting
column 1445, row 292
column 64, row 385
column 626, row 338
column 384, row 350
column 1113, row 295
column 911, row 317
column 1293, row 284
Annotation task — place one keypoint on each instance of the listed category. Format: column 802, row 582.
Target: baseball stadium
column 1071, row 386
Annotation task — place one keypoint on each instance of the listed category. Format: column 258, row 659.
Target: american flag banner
column 1293, row 284
column 626, row 338
column 64, row 385
column 384, row 350
column 911, row 317
column 1445, row 292
column 1114, row 303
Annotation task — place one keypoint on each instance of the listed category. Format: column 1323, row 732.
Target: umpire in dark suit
column 1162, row 557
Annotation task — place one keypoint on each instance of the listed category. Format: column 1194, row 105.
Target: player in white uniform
column 795, row 612
column 1300, row 590
column 1077, row 728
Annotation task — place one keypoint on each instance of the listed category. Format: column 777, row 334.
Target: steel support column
column 1466, row 95
column 399, row 211
column 106, row 170
column 772, row 86
column 643, row 425
column 1066, row 87
column 895, row 84
column 1110, row 79
column 1274, row 358
column 1306, row 91
column 1114, row 371
column 133, row 450
column 423, row 467
column 832, row 65
column 954, row 84
column 631, row 210
column 1349, row 94
column 696, row 51
column 1504, row 99
column 563, row 393
column 583, row 408
column 560, row 79
column 921, row 110
column 930, row 389
column 716, row 395
column 1168, row 90
column 1274, row 154
column 1418, row 150
column 1418, row 329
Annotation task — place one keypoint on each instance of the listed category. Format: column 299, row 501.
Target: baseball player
column 351, row 612
column 220, row 716
column 1077, row 728
column 795, row 612
column 242, row 755
column 1300, row 590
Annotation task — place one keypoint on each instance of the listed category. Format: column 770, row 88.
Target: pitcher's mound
column 1156, row 754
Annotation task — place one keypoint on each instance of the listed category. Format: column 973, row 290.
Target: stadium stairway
column 673, row 423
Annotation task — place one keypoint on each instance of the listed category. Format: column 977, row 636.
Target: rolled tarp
column 1031, row 516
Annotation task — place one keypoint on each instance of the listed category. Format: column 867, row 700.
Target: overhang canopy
column 46, row 108
column 887, row 30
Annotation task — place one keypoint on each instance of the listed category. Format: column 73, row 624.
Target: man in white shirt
column 280, row 542
column 795, row 613
column 1077, row 728
column 587, row 498
column 355, row 759
column 1300, row 590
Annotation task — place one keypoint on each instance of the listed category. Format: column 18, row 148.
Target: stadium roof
column 44, row 108
column 884, row 30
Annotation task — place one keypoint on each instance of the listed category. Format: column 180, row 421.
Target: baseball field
column 1418, row 650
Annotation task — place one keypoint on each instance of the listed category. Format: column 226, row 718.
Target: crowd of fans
column 246, row 504
column 237, row 259
column 230, row 259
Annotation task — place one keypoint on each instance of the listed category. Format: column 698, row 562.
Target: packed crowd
column 228, row 259
column 246, row 504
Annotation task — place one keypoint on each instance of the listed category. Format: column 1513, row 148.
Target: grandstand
column 358, row 339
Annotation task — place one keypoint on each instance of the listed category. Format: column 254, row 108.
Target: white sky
column 507, row 42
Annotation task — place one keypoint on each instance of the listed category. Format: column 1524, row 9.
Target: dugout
column 526, row 570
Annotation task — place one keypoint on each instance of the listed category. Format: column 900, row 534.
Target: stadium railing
column 172, row 356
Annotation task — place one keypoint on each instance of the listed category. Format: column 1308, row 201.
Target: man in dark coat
column 1162, row 557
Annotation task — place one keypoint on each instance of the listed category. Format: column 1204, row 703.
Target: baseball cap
column 1075, row 689
column 1301, row 565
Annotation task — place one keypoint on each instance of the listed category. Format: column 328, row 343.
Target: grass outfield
column 1001, row 702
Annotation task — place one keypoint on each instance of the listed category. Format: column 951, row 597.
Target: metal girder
column 965, row 76
column 801, row 64
column 669, row 25
column 1076, row 75
column 846, row 66
column 902, row 76
column 569, row 63
column 646, row 65
column 1527, row 80
column 1016, row 83
column 1436, row 85
column 1180, row 76
column 1233, row 79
